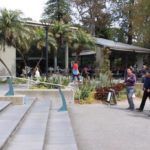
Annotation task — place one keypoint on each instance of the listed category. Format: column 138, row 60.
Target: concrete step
column 60, row 134
column 10, row 119
column 31, row 133
column 4, row 104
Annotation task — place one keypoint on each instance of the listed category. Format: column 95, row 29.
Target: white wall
column 9, row 57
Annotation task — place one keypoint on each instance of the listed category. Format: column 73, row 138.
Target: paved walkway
column 100, row 127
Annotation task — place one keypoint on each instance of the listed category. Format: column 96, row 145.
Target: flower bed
column 102, row 92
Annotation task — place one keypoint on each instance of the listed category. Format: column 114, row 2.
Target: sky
column 30, row 8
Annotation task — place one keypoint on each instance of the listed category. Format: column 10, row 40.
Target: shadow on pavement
column 145, row 114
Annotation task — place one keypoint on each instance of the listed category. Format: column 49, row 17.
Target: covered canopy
column 120, row 46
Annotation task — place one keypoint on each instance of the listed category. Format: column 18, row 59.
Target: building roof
column 85, row 52
column 120, row 46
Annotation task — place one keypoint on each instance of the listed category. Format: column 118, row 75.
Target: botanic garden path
column 101, row 127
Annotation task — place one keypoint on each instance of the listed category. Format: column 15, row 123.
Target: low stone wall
column 16, row 99
column 52, row 94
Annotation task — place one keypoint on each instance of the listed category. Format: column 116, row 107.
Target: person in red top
column 75, row 66
column 75, row 71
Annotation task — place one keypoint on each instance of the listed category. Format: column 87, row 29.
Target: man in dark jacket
column 130, row 83
column 146, row 88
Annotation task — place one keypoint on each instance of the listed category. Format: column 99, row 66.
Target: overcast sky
column 30, row 8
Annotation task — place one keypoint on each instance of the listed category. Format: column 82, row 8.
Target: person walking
column 75, row 71
column 37, row 74
column 130, row 87
column 143, row 71
column 146, row 93
column 85, row 72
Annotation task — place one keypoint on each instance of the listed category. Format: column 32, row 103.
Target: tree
column 94, row 16
column 22, row 44
column 142, row 22
column 61, row 33
column 39, row 42
column 123, row 14
column 10, row 28
column 105, row 67
column 57, row 10
column 16, row 33
column 117, row 34
column 82, row 40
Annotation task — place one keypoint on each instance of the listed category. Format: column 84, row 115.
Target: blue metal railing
column 64, row 105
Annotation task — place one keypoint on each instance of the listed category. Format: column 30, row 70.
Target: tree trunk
column 130, row 33
column 55, row 60
column 39, row 60
column 130, row 27
column 6, row 67
column 66, row 58
column 24, row 60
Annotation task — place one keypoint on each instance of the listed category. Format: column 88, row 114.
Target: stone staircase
column 36, row 125
column 10, row 119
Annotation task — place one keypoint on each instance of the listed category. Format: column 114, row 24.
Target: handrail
column 59, row 85
column 64, row 105
column 11, row 89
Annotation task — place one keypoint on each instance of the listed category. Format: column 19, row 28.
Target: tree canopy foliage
column 142, row 22
column 133, row 19
column 57, row 10
column 94, row 16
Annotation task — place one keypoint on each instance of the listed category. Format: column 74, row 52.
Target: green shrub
column 139, row 93
column 77, row 94
column 19, row 81
column 83, row 93
column 38, row 87
column 52, row 80
column 103, row 81
column 85, row 90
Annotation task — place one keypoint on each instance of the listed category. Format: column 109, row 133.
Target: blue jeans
column 130, row 92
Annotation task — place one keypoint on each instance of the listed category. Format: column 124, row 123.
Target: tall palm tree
column 82, row 40
column 12, row 31
column 61, row 33
column 39, row 42
column 22, row 43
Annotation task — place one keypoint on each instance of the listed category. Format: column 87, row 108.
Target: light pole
column 46, row 50
column 46, row 27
